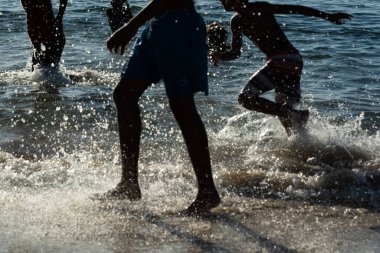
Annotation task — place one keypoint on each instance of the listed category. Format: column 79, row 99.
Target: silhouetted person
column 119, row 14
column 172, row 47
column 45, row 32
column 283, row 69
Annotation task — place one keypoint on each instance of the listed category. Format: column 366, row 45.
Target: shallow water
column 313, row 193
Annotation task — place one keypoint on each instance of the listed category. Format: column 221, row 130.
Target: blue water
column 57, row 149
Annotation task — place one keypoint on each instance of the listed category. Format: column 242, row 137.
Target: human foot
column 202, row 204
column 286, row 124
column 296, row 121
column 121, row 191
column 301, row 118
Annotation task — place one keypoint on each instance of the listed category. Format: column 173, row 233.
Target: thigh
column 182, row 105
column 259, row 83
column 130, row 90
column 287, row 75
column 284, row 99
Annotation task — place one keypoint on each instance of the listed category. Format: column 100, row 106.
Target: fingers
column 115, row 47
column 117, row 50
column 344, row 16
column 347, row 16
column 109, row 48
column 339, row 18
column 121, row 50
column 109, row 45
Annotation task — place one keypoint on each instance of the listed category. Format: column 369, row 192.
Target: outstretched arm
column 336, row 18
column 121, row 37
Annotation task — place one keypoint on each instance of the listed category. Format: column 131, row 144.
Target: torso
column 258, row 23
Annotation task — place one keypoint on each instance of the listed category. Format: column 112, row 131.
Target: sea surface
column 314, row 193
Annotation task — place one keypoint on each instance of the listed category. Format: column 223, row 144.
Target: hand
column 338, row 18
column 215, row 57
column 119, row 40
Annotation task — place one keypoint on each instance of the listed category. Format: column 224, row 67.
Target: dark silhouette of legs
column 195, row 137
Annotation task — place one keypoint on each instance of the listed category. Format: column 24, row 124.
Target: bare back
column 259, row 24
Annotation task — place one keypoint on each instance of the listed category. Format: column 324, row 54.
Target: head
column 36, row 4
column 117, row 3
column 234, row 5
column 216, row 37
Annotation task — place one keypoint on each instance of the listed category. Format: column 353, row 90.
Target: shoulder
column 260, row 6
column 236, row 18
column 237, row 22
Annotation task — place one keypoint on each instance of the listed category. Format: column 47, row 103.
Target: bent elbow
column 236, row 54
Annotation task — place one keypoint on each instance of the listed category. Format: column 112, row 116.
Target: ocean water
column 58, row 149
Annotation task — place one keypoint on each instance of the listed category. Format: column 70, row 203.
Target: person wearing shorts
column 179, row 58
column 45, row 32
column 282, row 72
column 172, row 48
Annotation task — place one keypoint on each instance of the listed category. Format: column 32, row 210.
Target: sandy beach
column 238, row 225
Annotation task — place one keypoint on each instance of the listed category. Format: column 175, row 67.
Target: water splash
column 336, row 163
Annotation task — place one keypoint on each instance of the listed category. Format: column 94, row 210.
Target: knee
column 246, row 100
column 118, row 94
column 242, row 98
column 181, row 105
column 122, row 96
column 184, row 110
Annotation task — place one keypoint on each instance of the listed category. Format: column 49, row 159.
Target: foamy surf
column 52, row 75
column 326, row 164
column 278, row 194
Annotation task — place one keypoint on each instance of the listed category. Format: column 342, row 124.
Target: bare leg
column 286, row 124
column 258, row 104
column 126, row 97
column 288, row 116
column 195, row 137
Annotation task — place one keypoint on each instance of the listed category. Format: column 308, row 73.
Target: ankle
column 285, row 111
column 129, row 178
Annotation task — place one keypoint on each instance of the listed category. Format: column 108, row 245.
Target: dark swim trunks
column 281, row 73
column 172, row 48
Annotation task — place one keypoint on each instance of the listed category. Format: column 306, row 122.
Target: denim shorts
column 172, row 47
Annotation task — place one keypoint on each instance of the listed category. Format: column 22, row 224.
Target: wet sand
column 238, row 225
